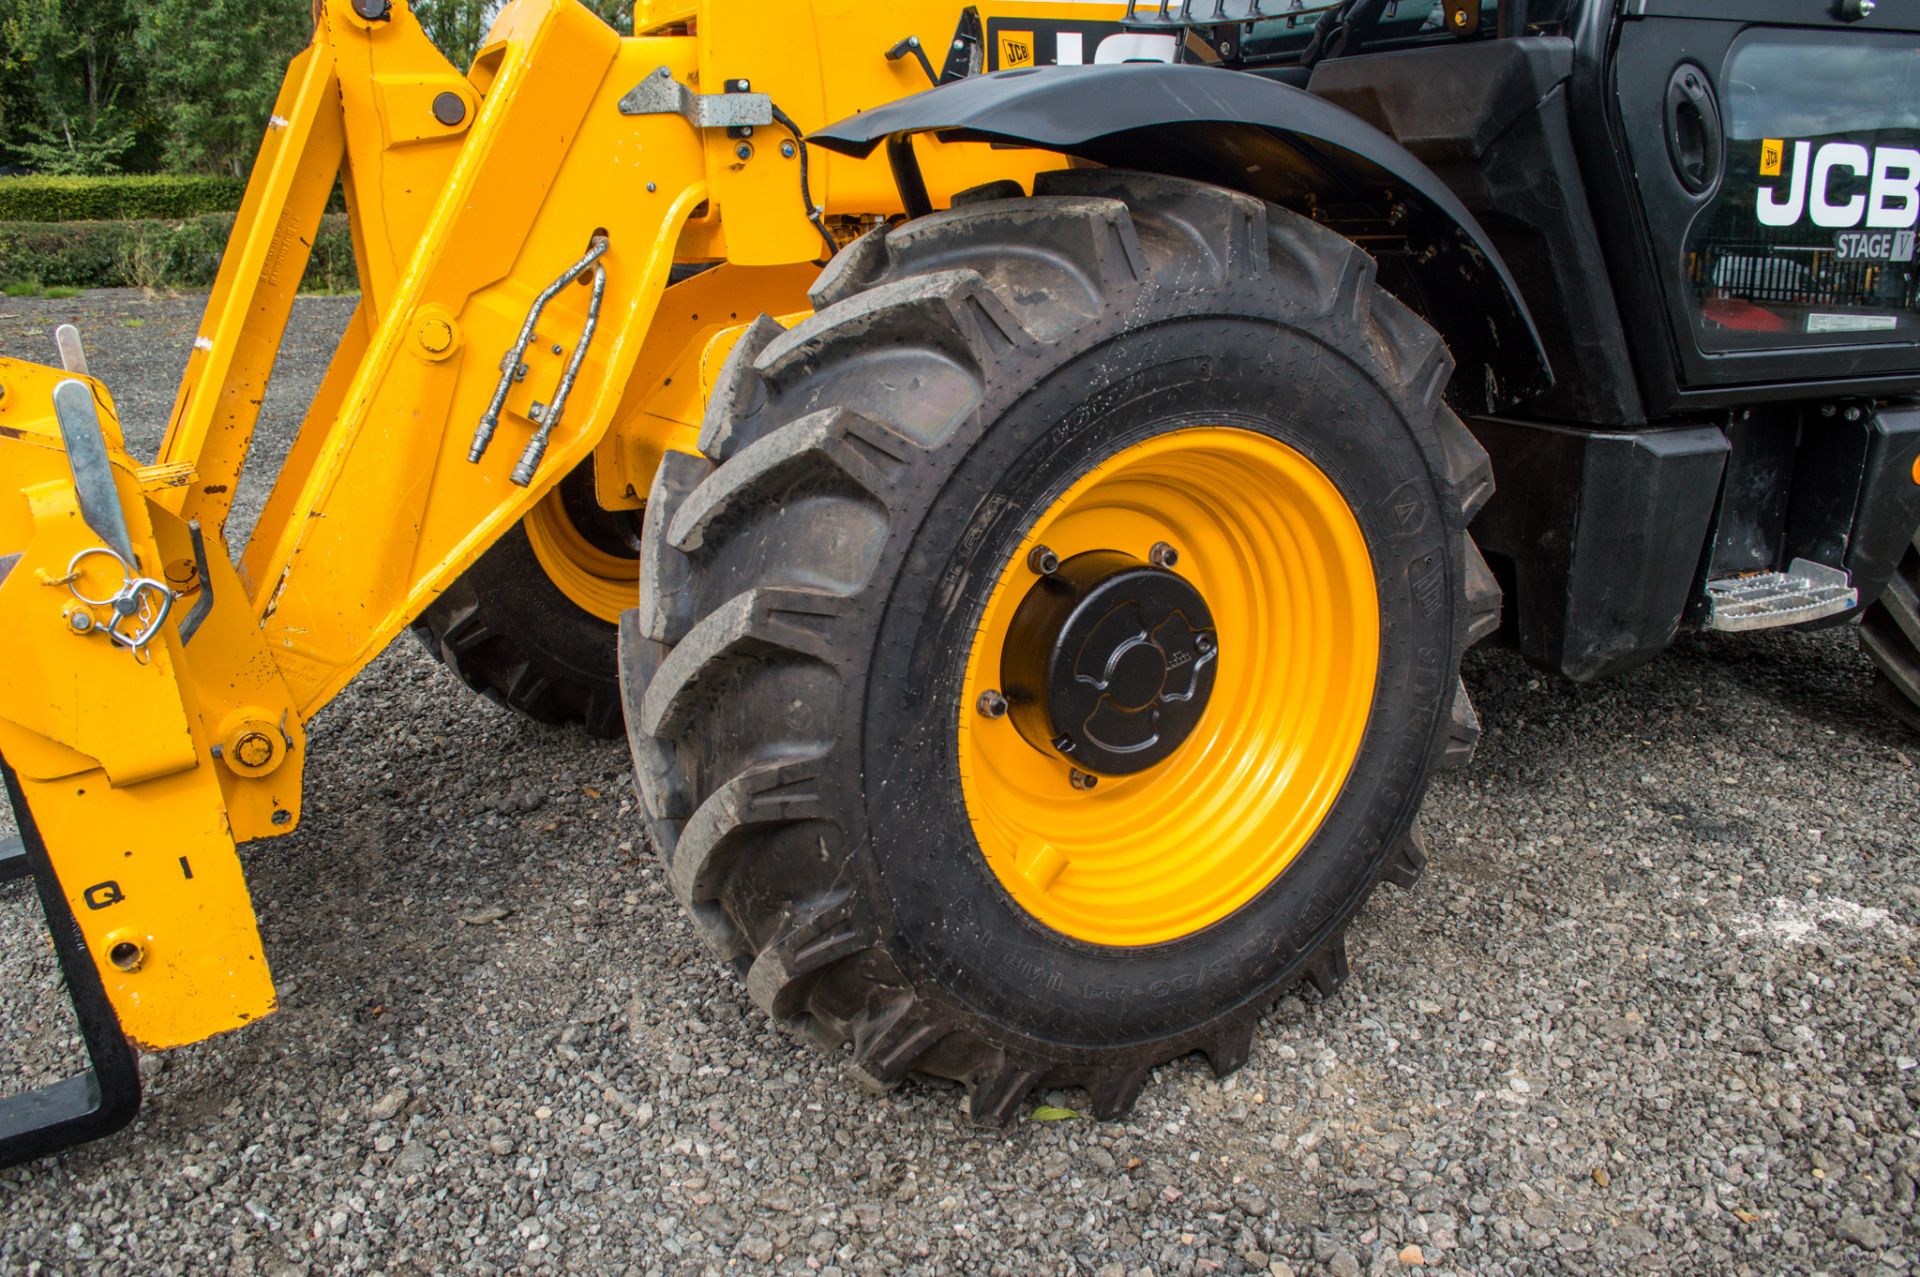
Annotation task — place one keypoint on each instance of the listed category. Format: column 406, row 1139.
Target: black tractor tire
column 809, row 587
column 1890, row 633
column 508, row 632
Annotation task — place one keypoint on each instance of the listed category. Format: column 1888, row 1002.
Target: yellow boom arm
column 514, row 229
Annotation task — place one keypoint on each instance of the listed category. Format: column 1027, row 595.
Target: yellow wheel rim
column 1278, row 556
column 601, row 583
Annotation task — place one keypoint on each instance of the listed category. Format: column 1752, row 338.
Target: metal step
column 1806, row 591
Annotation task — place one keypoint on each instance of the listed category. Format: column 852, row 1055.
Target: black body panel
column 1627, row 110
column 1279, row 143
column 1598, row 536
column 1490, row 119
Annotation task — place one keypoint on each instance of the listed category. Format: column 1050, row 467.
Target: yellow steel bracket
column 125, row 668
column 514, row 229
column 145, row 758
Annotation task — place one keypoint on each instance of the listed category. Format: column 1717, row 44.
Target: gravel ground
column 1652, row 1010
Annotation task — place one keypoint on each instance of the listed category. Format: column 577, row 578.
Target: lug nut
column 991, row 704
column 1042, row 561
column 1163, row 555
column 1081, row 780
column 1203, row 643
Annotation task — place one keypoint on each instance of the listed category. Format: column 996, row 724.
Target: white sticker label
column 1851, row 323
column 1873, row 246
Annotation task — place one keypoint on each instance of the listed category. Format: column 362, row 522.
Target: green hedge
column 152, row 253
column 91, row 199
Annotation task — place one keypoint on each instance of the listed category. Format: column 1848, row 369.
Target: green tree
column 459, row 26
column 456, row 26
column 617, row 14
column 69, row 71
column 214, row 67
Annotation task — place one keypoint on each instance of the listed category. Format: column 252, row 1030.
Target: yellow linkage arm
column 143, row 764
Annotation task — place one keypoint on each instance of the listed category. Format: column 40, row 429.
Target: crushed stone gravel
column 1652, row 1009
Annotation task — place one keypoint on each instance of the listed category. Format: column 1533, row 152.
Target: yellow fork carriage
column 516, row 229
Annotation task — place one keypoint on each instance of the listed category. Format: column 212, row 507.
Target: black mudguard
column 1270, row 140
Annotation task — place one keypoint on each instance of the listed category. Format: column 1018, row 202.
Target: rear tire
column 509, row 631
column 811, row 588
column 1890, row 633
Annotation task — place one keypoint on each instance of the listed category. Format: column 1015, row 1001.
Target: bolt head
column 788, row 150
column 1163, row 555
column 1082, row 780
column 652, row 187
column 253, row 749
column 82, row 622
column 743, row 152
column 436, row 335
column 991, row 704
column 1042, row 561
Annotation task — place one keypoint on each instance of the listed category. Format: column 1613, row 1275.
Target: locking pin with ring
column 138, row 607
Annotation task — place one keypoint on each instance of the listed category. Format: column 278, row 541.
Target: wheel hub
column 1109, row 662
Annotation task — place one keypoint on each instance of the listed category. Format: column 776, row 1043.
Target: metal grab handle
column 510, row 366
column 92, row 473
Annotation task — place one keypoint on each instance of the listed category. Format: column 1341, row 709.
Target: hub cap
column 1218, row 702
column 1109, row 662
